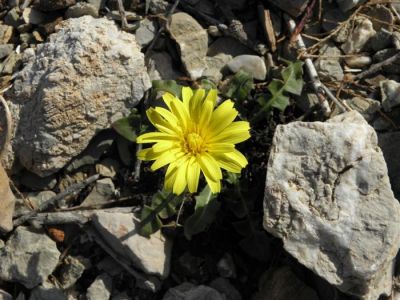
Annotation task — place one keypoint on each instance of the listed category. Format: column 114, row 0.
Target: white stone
column 328, row 197
column 390, row 91
column 360, row 36
column 101, row 288
column 85, row 77
column 152, row 255
column 252, row 64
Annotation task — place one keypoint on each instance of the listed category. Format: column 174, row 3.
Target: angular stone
column 81, row 9
column 252, row 64
column 33, row 16
column 72, row 270
column 192, row 41
column 360, row 36
column 152, row 255
column 28, row 257
column 100, row 289
column 103, row 191
column 146, row 32
column 6, row 33
column 68, row 91
column 328, row 197
column 5, row 50
column 390, row 91
column 329, row 68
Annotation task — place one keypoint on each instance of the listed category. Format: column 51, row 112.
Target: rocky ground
column 314, row 215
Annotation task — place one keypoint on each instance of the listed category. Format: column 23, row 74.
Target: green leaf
column 170, row 209
column 129, row 126
column 152, row 225
column 169, row 86
column 240, row 86
column 293, row 77
column 207, row 84
column 206, row 209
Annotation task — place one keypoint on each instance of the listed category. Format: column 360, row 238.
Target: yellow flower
column 194, row 138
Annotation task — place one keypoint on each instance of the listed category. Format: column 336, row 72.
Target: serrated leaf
column 204, row 214
column 129, row 126
column 240, row 86
column 293, row 77
column 169, row 86
column 152, row 225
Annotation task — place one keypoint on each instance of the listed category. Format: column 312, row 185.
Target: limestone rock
column 192, row 40
column 328, row 197
column 359, row 37
column 28, row 257
column 390, row 91
column 101, row 288
column 85, row 77
column 252, row 64
column 329, row 68
column 152, row 255
column 146, row 32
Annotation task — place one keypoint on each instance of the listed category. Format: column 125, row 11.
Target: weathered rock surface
column 161, row 67
column 152, row 255
column 192, row 40
column 101, row 288
column 47, row 291
column 7, row 203
column 328, row 197
column 252, row 64
column 102, row 192
column 390, row 91
column 359, row 37
column 28, row 257
column 87, row 75
column 329, row 68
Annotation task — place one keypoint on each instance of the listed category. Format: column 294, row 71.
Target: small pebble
column 252, row 64
column 358, row 61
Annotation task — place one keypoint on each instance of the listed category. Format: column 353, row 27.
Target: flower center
column 194, row 143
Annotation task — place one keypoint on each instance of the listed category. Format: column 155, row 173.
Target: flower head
column 194, row 137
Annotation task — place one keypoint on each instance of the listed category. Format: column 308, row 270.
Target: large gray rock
column 192, row 41
column 329, row 68
column 86, row 76
column 119, row 230
column 28, row 257
column 328, row 197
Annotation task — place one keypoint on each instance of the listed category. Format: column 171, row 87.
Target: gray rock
column 5, row 50
column 108, row 167
column 47, row 291
column 100, row 289
column 228, row 46
column 329, row 68
column 390, row 91
column 119, row 230
column 158, row 6
column 102, row 192
column 161, row 67
column 12, row 18
column 390, row 143
column 328, row 197
column 81, row 9
column 6, row 33
column 283, row 284
column 11, row 64
column 5, row 296
column 252, row 64
column 223, row 286
column 76, row 81
column 146, row 32
column 292, row 7
column 52, row 5
column 360, row 36
column 365, row 106
column 33, row 16
column 381, row 40
column 358, row 61
column 188, row 291
column 346, row 5
column 31, row 201
column 7, row 203
column 28, row 257
column 72, row 270
column 192, row 41
column 215, row 65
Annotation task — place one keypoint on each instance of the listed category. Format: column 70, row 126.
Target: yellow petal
column 163, row 159
column 179, row 110
column 187, row 94
column 154, row 137
column 233, row 161
column 222, row 117
column 212, row 96
column 167, row 115
column 220, row 147
column 238, row 157
column 180, row 180
column 147, row 154
column 168, row 97
column 205, row 114
column 193, row 175
column 215, row 186
column 196, row 104
column 235, row 133
column 170, row 176
column 163, row 146
column 209, row 166
column 159, row 122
